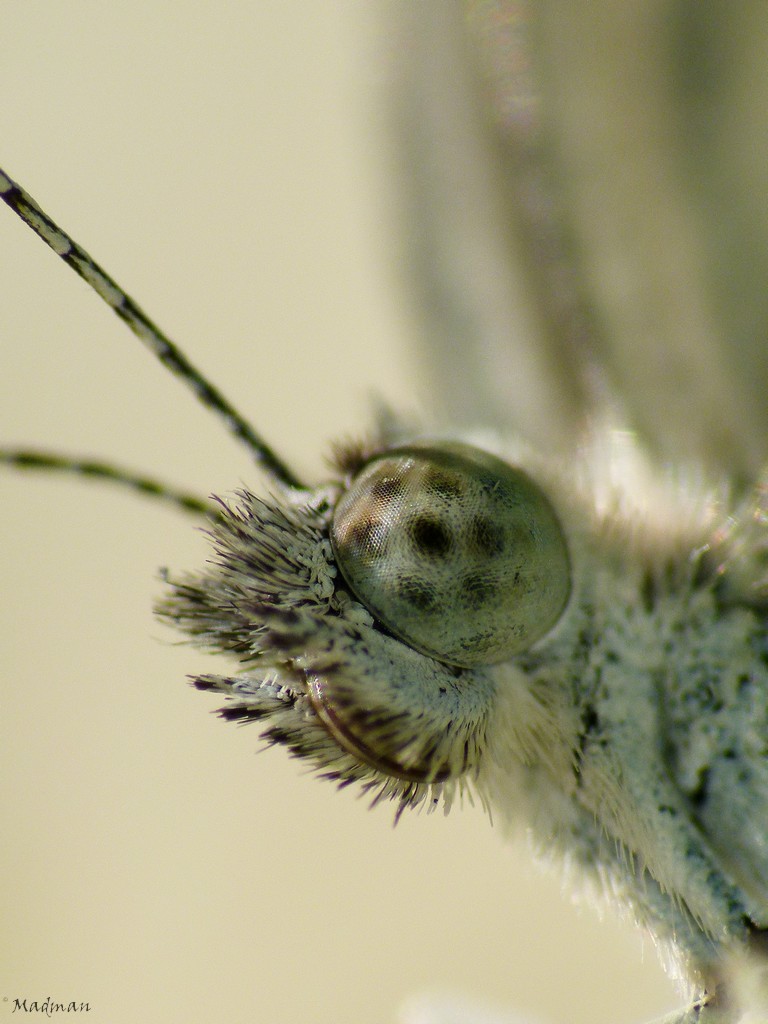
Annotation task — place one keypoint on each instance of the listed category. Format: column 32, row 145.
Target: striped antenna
column 150, row 335
column 30, row 459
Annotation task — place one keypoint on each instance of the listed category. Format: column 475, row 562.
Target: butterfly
column 614, row 462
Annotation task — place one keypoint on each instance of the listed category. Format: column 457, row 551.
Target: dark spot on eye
column 419, row 595
column 475, row 591
column 365, row 537
column 442, row 485
column 485, row 537
column 429, row 536
column 387, row 489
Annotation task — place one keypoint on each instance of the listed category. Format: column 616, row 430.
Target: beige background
column 225, row 163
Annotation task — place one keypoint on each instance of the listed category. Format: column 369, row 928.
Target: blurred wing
column 585, row 193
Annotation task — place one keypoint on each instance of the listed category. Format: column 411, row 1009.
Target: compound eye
column 456, row 553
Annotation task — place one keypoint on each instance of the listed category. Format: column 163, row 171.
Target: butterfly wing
column 586, row 190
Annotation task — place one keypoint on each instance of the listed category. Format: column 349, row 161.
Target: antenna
column 31, row 459
column 150, row 335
